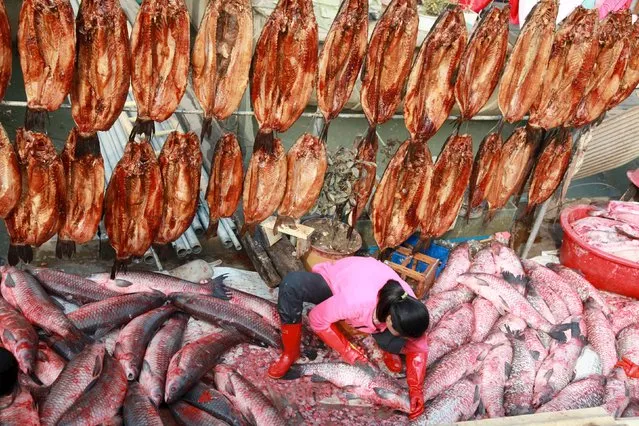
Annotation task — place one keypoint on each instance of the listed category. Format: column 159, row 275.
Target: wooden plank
column 258, row 256
column 299, row 231
column 591, row 416
column 282, row 255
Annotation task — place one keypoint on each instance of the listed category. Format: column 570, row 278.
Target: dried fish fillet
column 46, row 43
column 222, row 58
column 284, row 65
column 515, row 164
column 341, row 57
column 225, row 183
column 523, row 75
column 550, row 168
column 103, row 72
column 10, row 182
column 430, row 92
column 264, row 182
column 570, row 67
column 159, row 61
column 40, row 211
column 181, row 168
column 450, row 179
column 388, row 61
column 5, row 50
column 366, row 164
column 84, row 174
column 610, row 67
column 306, row 166
column 134, row 203
column 484, row 170
column 630, row 78
column 482, row 62
column 405, row 183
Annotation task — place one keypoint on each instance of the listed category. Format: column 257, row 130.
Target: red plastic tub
column 603, row 270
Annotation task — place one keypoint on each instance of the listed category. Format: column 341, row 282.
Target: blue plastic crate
column 399, row 258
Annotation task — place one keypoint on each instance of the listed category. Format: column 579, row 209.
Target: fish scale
column 494, row 373
column 212, row 401
column 601, row 336
column 485, row 316
column 439, row 304
column 188, row 414
column 628, row 343
column 18, row 336
column 454, row 329
column 70, row 287
column 584, row 393
column 459, row 402
column 518, row 391
column 562, row 288
column 138, row 409
column 458, row 263
column 581, row 284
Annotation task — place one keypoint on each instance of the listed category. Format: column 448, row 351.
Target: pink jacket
column 355, row 282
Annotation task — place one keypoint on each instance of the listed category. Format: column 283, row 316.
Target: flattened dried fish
column 484, row 170
column 10, row 183
column 366, row 164
column 610, row 67
column 482, row 62
column 222, row 58
column 225, row 183
column 430, row 92
column 570, row 67
column 630, row 78
column 6, row 58
column 550, row 168
column 523, row 76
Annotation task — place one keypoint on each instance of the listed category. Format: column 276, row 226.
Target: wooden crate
column 421, row 282
column 587, row 416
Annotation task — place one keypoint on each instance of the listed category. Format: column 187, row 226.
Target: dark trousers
column 301, row 286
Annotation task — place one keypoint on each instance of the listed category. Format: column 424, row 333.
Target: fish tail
column 64, row 248
column 558, row 332
column 34, row 120
column 211, row 231
column 142, row 127
column 119, row 265
column 218, row 289
column 293, row 373
column 17, row 253
column 88, row 145
column 207, row 127
column 324, row 133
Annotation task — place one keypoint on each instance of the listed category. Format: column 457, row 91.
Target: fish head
column 393, row 399
column 176, row 381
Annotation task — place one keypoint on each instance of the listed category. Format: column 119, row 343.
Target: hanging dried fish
column 341, row 58
column 40, row 211
column 485, row 170
column 570, row 67
column 405, row 183
column 46, row 44
column 6, row 56
column 516, row 161
column 523, row 76
column 430, row 92
column 222, row 58
column 181, row 168
column 159, row 61
column 84, row 174
column 550, row 168
column 482, row 62
column 450, row 179
column 10, row 183
column 305, row 176
column 610, row 67
column 225, row 183
column 366, row 165
column 630, row 78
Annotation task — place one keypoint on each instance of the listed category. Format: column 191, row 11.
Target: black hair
column 8, row 372
column 409, row 315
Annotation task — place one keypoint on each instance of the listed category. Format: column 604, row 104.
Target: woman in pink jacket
column 370, row 297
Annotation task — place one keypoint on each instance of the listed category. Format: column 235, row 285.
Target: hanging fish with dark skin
column 516, row 161
column 450, row 179
column 222, row 58
column 630, row 78
column 570, row 67
column 523, row 76
column 284, row 67
column 159, row 61
column 134, row 203
column 406, row 181
column 430, row 91
column 263, row 184
column 610, row 67
column 103, row 70
column 341, row 58
column 46, row 43
column 10, row 180
column 41, row 209
column 482, row 62
column 84, row 174
column 225, row 183
column 306, row 166
column 484, row 170
column 6, row 57
column 550, row 168
column 181, row 167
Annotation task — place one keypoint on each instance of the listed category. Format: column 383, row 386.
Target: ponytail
column 409, row 315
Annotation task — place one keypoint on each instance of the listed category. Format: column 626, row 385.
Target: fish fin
column 514, row 279
column 218, row 289
column 476, row 397
column 503, row 301
column 481, row 409
column 101, row 332
column 535, row 355
column 292, row 373
column 8, row 335
column 350, row 396
column 384, row 393
column 310, row 353
column 122, row 283
column 251, row 418
column 228, row 388
column 145, row 366
column 9, row 282
column 57, row 303
column 316, row 378
column 548, row 374
column 558, row 332
column 508, row 368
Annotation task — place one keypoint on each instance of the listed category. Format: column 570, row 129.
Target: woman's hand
column 415, row 375
column 336, row 340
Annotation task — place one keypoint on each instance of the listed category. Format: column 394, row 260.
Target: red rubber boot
column 291, row 339
column 393, row 362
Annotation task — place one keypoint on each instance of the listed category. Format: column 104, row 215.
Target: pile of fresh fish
column 510, row 337
column 613, row 229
